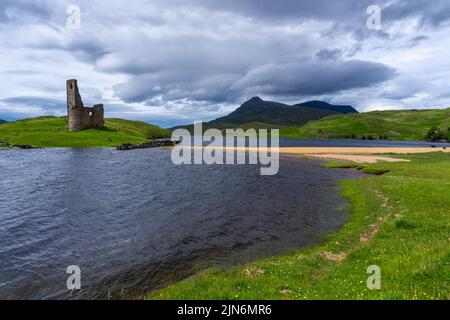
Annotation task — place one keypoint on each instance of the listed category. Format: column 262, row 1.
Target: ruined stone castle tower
column 81, row 117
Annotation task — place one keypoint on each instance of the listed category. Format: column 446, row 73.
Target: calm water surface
column 133, row 221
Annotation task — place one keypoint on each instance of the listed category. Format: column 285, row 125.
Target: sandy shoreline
column 356, row 158
column 354, row 154
column 340, row 150
column 358, row 155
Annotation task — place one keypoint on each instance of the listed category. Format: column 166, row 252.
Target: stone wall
column 79, row 116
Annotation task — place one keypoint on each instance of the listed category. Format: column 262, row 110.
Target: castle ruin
column 79, row 116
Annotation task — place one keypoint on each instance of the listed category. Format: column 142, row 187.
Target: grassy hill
column 53, row 132
column 398, row 125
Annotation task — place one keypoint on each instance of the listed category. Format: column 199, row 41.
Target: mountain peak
column 255, row 99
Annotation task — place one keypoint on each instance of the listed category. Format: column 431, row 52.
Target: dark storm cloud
column 305, row 78
column 293, row 78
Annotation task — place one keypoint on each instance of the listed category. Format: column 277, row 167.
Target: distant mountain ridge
column 344, row 109
column 258, row 113
column 3, row 121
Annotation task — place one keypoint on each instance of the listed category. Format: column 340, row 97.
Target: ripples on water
column 134, row 221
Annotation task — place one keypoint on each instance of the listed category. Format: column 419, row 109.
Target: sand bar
column 355, row 154
column 356, row 158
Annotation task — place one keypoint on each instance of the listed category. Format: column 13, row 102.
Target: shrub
column 375, row 171
column 403, row 224
column 434, row 134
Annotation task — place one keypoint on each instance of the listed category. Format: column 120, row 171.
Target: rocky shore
column 149, row 144
column 20, row 146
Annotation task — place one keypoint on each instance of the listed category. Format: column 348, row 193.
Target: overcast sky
column 171, row 61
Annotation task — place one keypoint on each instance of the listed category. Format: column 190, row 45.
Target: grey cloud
column 343, row 10
column 14, row 108
column 347, row 12
column 51, row 106
column 146, row 88
column 15, row 10
column 414, row 41
column 327, row 54
column 291, row 78
column 305, row 78
column 363, row 33
column 430, row 13
column 86, row 47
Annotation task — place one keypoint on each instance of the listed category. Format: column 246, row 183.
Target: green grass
column 343, row 165
column 409, row 207
column 396, row 125
column 53, row 132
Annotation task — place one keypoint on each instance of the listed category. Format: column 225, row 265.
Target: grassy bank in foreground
column 394, row 125
column 399, row 221
column 54, row 132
